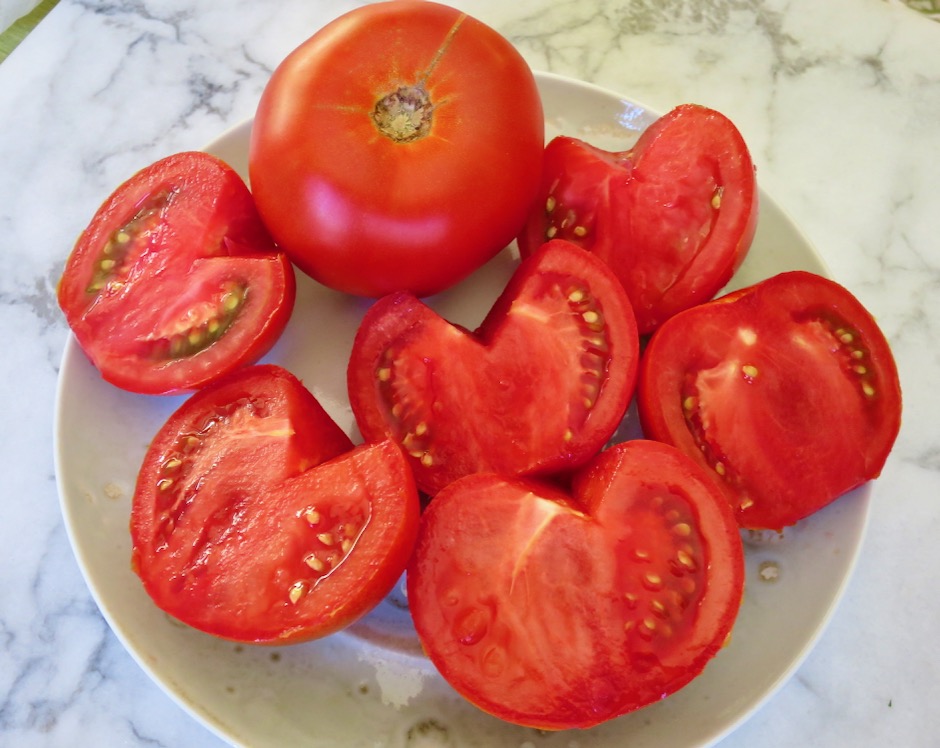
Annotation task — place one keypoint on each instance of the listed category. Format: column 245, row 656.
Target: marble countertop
column 840, row 105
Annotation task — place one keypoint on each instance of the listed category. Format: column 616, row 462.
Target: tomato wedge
column 538, row 388
column 787, row 391
column 557, row 611
column 255, row 519
column 674, row 216
column 176, row 281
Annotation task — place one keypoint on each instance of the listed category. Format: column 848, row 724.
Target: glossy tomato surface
column 397, row 149
column 674, row 216
column 786, row 391
column 176, row 281
column 558, row 611
column 255, row 519
column 539, row 387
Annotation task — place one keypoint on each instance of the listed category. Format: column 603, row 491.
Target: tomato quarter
column 558, row 611
column 398, row 148
column 255, row 519
column 786, row 391
column 539, row 387
column 176, row 281
column 674, row 216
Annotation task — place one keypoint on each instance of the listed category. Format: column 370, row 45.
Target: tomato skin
column 789, row 385
column 256, row 519
column 176, row 281
column 538, row 388
column 365, row 214
column 674, row 216
column 560, row 611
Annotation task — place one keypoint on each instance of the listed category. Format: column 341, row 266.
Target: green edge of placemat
column 21, row 27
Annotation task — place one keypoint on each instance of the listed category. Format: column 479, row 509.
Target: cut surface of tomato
column 558, row 611
column 539, row 387
column 786, row 391
column 674, row 216
column 397, row 149
column 256, row 519
column 176, row 281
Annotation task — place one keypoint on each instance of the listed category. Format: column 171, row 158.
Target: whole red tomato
column 399, row 148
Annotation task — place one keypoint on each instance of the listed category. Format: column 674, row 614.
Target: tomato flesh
column 674, row 216
column 787, row 391
column 176, row 281
column 255, row 519
column 397, row 149
column 557, row 611
column 538, row 388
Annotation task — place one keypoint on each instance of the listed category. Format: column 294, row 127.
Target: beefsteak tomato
column 539, row 387
column 787, row 391
column 176, row 281
column 398, row 148
column 674, row 216
column 557, row 611
column 255, row 519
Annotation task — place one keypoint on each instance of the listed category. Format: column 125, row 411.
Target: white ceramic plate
column 370, row 685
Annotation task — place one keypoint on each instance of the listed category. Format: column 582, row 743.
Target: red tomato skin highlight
column 255, row 519
column 365, row 214
column 559, row 611
column 790, row 385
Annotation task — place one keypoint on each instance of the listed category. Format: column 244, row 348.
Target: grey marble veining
column 840, row 104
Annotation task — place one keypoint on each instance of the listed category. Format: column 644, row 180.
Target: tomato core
column 404, row 115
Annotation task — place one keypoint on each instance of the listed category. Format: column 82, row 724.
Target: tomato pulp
column 398, row 149
column 558, row 611
column 538, row 388
column 786, row 391
column 176, row 281
column 255, row 519
column 674, row 216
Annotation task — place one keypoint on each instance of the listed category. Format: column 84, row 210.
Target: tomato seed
column 296, row 591
column 682, row 529
column 326, row 538
column 550, row 204
column 652, row 581
column 580, row 231
column 315, row 563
